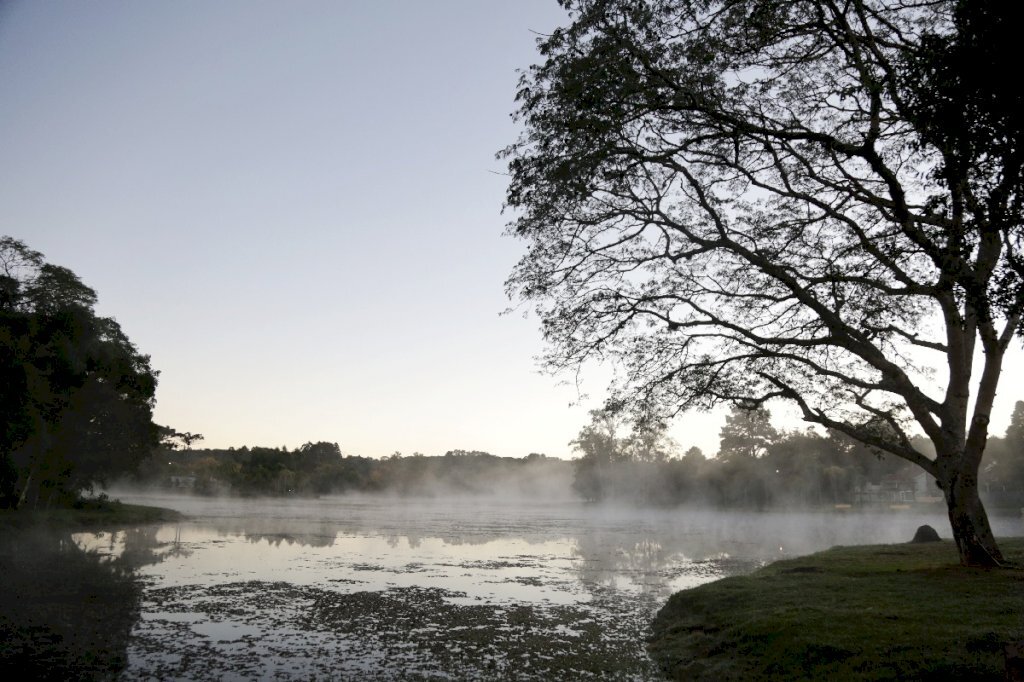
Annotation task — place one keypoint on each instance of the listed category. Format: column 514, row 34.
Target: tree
column 650, row 444
column 800, row 200
column 170, row 439
column 747, row 434
column 1010, row 453
column 1015, row 431
column 806, row 469
column 77, row 396
column 694, row 455
column 601, row 449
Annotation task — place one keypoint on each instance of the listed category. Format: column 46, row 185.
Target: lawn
column 883, row 612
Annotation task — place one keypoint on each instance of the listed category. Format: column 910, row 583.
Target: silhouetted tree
column 1006, row 470
column 650, row 444
column 747, row 433
column 804, row 470
column 685, row 477
column 77, row 396
column 763, row 199
column 694, row 454
column 1015, row 431
column 312, row 455
column 600, row 448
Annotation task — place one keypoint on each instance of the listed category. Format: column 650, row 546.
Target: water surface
column 384, row 588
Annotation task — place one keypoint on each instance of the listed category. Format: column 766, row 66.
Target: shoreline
column 868, row 612
column 91, row 514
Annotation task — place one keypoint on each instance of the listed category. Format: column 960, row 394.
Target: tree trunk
column 24, row 491
column 969, row 521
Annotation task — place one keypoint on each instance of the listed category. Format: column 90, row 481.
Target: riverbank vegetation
column 97, row 512
column 757, row 466
column 76, row 396
column 321, row 468
column 761, row 466
column 888, row 612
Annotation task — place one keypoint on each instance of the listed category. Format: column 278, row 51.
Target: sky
column 295, row 209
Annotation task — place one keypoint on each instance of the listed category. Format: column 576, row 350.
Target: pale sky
column 294, row 208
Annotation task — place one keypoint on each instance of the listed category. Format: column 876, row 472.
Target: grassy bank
column 88, row 514
column 886, row 612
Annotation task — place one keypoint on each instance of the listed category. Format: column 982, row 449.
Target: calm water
column 374, row 588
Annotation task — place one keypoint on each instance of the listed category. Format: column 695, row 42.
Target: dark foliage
column 320, row 469
column 76, row 397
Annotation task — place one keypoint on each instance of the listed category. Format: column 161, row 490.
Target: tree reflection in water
column 66, row 610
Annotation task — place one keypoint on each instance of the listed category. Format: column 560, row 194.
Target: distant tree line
column 1002, row 479
column 76, row 403
column 759, row 466
column 321, row 469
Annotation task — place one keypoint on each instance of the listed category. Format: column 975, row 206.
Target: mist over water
column 470, row 588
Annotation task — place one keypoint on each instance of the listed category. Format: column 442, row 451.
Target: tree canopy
column 818, row 202
column 747, row 433
column 76, row 396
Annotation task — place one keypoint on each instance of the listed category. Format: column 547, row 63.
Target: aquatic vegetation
column 278, row 629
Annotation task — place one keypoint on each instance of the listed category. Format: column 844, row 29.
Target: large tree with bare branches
column 817, row 201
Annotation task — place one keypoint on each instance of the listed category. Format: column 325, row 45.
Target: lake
column 391, row 588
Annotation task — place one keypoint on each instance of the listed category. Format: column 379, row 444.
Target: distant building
column 926, row 489
column 182, row 481
column 890, row 490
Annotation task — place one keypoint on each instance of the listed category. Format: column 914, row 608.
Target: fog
column 398, row 587
column 461, row 517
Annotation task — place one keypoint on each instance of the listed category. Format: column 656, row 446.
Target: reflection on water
column 131, row 548
column 67, row 611
column 376, row 541
column 398, row 589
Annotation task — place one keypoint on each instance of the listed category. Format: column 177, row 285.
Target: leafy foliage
column 320, row 468
column 77, row 396
column 757, row 467
column 747, row 433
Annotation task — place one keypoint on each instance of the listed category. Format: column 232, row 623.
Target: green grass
column 88, row 514
column 885, row 612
